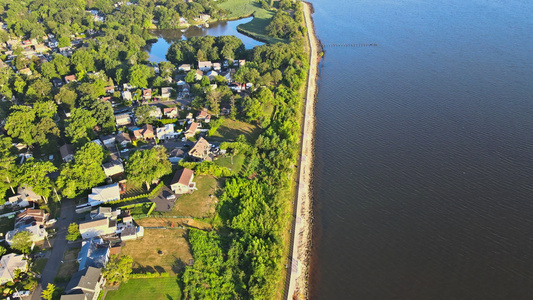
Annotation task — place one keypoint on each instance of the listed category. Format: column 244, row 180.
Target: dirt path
column 298, row 280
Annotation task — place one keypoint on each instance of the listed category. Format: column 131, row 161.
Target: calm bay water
column 166, row 37
column 424, row 151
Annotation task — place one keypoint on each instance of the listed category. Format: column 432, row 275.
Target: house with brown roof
column 70, row 78
column 109, row 89
column 67, row 153
column 31, row 216
column 170, row 112
column 200, row 151
column 182, row 182
column 123, row 139
column 145, row 133
column 191, row 130
column 199, row 74
column 147, row 93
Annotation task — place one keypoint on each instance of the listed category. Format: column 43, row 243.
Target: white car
column 21, row 294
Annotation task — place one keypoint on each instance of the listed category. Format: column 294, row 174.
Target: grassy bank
column 255, row 28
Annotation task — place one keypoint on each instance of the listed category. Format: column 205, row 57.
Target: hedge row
column 150, row 275
column 151, row 194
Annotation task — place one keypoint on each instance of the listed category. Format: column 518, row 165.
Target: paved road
column 68, row 211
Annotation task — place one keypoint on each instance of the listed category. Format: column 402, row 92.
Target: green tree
column 73, row 232
column 80, row 126
column 34, row 174
column 139, row 74
column 22, row 242
column 103, row 113
column 3, row 251
column 48, row 293
column 213, row 100
column 39, row 90
column 62, row 64
column 277, row 76
column 166, row 69
column 7, row 164
column 83, row 61
column 84, row 173
column 147, row 166
column 144, row 114
column 67, row 97
column 118, row 269
column 19, row 124
column 205, row 81
column 48, row 70
column 191, row 76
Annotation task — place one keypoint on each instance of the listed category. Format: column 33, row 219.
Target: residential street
column 68, row 212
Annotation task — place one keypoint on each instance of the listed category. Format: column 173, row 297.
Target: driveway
column 68, row 211
column 161, row 201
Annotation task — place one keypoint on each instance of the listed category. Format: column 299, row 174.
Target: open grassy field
column 149, row 288
column 172, row 244
column 199, row 204
column 164, row 221
column 236, row 166
column 229, row 130
column 256, row 27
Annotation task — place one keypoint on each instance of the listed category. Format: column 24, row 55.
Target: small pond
column 158, row 50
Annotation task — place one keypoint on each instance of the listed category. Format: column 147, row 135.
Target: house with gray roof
column 85, row 284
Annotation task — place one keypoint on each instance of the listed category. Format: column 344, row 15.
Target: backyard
column 199, row 204
column 229, row 130
column 170, row 243
column 151, row 288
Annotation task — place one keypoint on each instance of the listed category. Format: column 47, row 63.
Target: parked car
column 171, row 197
column 21, row 294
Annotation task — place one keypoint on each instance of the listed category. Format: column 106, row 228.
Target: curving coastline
column 302, row 224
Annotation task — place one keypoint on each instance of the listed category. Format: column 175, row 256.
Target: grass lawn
column 150, row 288
column 199, row 204
column 38, row 265
column 70, row 265
column 238, row 161
column 256, row 27
column 229, row 130
column 145, row 251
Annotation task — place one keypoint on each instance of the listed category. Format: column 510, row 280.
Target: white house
column 97, row 228
column 104, row 194
column 205, row 65
column 166, row 132
column 9, row 263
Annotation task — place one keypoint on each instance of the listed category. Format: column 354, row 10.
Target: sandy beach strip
column 299, row 266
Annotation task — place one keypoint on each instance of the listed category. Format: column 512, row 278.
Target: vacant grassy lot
column 256, row 27
column 172, row 244
column 236, row 166
column 70, row 265
column 229, row 130
column 199, row 204
column 150, row 288
column 174, row 222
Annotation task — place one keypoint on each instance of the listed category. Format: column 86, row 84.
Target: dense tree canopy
column 147, row 166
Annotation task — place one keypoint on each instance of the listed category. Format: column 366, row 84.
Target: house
column 85, row 284
column 131, row 233
column 175, row 155
column 103, row 212
column 27, row 193
column 113, row 167
column 94, row 253
column 123, row 139
column 184, row 67
column 182, row 182
column 38, row 233
column 26, row 71
column 241, row 62
column 199, row 74
column 204, row 17
column 170, row 112
column 165, row 92
column 191, row 130
column 127, row 87
column 9, row 263
column 207, row 119
column 40, row 48
column 147, row 93
column 205, row 65
column 200, row 151
column 104, row 194
column 70, row 78
column 97, row 228
column 211, row 75
column 109, row 89
column 123, row 119
column 155, row 112
column 235, row 87
column 217, row 66
column 108, row 140
column 67, row 153
column 57, row 82
column 30, row 217
column 145, row 133
column 166, row 132
column 126, row 95
column 202, row 115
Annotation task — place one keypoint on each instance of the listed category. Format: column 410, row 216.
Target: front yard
column 150, row 288
column 69, row 265
column 174, row 249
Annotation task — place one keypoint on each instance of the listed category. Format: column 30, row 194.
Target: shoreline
column 302, row 223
